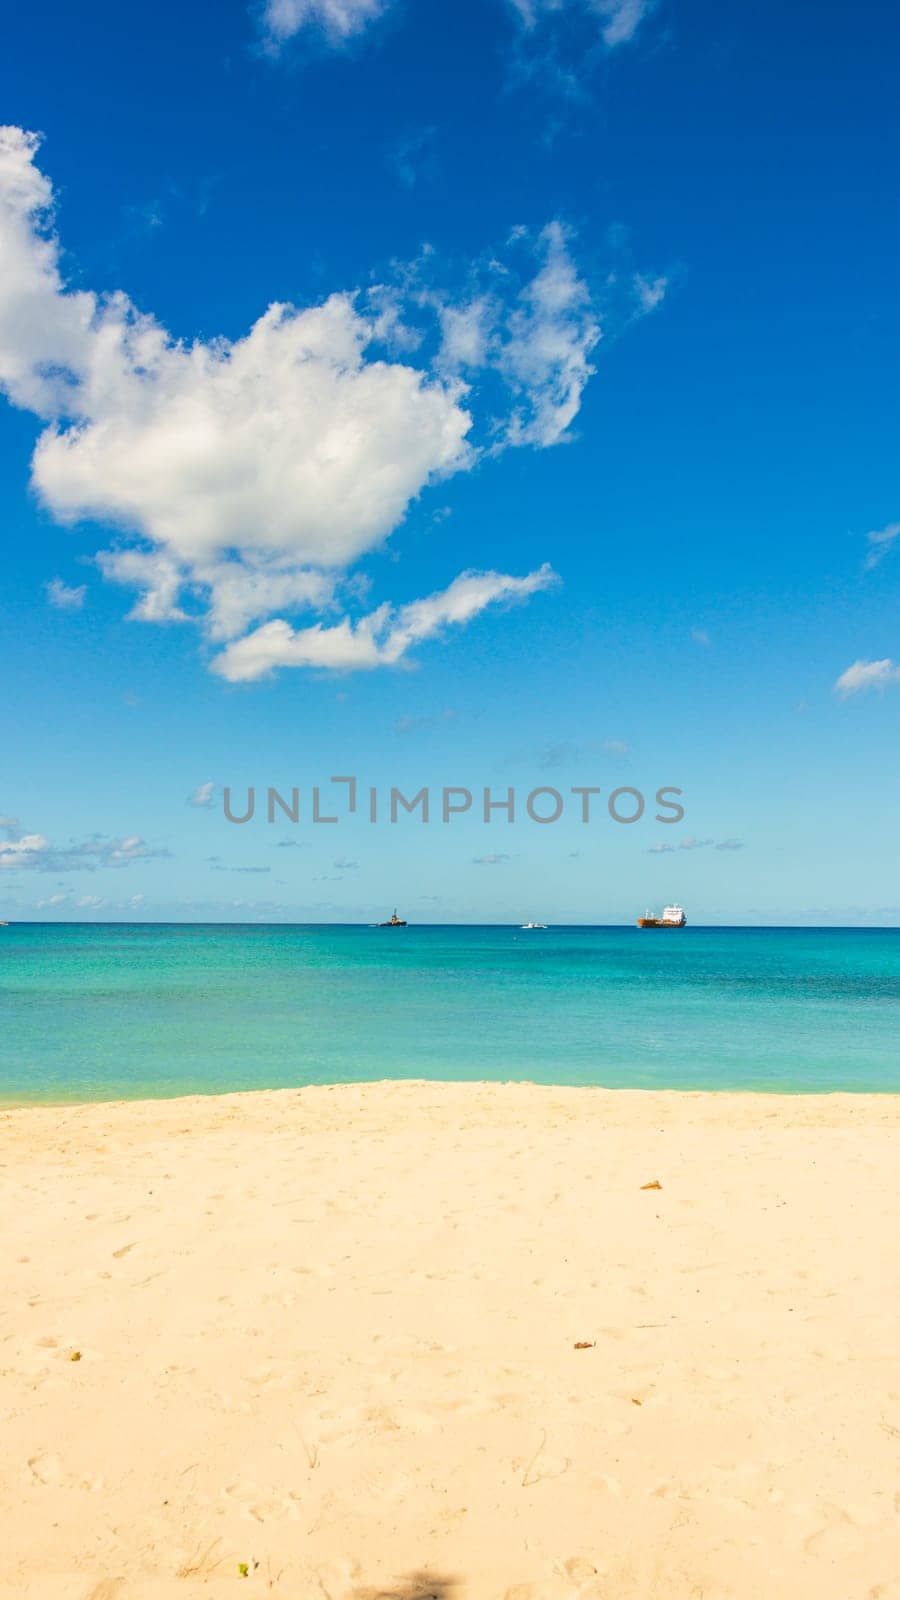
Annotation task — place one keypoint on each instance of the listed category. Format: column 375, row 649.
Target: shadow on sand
column 415, row 1586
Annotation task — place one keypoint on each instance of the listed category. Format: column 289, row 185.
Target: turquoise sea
column 108, row 1011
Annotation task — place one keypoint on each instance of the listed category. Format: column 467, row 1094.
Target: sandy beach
column 414, row 1339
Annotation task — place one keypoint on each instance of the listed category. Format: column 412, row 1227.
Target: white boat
column 535, row 927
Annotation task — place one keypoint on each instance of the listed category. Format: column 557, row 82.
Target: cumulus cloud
column 63, row 597
column 248, row 476
column 28, row 850
column 880, row 542
column 32, row 851
column 865, row 675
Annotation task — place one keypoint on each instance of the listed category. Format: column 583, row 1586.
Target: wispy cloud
column 489, row 861
column 880, row 542
column 408, row 724
column 666, row 849
column 618, row 20
column 412, row 157
column 63, row 597
column 204, row 795
column 565, row 752
column 339, row 20
column 380, row 639
column 866, row 675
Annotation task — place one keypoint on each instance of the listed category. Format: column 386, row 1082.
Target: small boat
column 395, row 922
column 672, row 917
column 534, row 927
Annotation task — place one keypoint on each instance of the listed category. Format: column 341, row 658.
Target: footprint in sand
column 841, row 1535
column 47, row 1470
column 264, row 1503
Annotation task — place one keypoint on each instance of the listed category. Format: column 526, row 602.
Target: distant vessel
column 672, row 917
column 395, row 922
column 536, row 927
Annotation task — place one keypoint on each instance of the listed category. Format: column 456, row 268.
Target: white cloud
column 537, row 336
column 695, row 844
column 619, row 20
column 248, row 476
column 28, row 850
column 63, row 597
column 204, row 794
column 551, row 333
column 340, row 19
column 865, row 675
column 881, row 541
column 32, row 851
column 380, row 639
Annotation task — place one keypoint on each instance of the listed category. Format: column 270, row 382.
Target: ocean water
column 96, row 1012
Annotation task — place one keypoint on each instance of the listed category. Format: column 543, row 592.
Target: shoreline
column 615, row 1091
column 345, row 1334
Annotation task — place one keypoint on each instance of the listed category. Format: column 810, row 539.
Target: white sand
column 330, row 1334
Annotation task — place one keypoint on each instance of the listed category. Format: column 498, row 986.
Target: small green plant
column 243, row 1569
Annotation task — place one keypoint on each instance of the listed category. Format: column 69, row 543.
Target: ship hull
column 657, row 922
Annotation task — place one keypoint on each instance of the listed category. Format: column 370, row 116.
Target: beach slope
column 423, row 1340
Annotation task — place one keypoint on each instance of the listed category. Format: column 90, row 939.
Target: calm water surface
column 110, row 1011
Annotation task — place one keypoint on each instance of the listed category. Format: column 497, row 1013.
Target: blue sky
column 559, row 465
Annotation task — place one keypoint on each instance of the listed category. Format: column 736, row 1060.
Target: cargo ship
column 395, row 922
column 672, row 917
